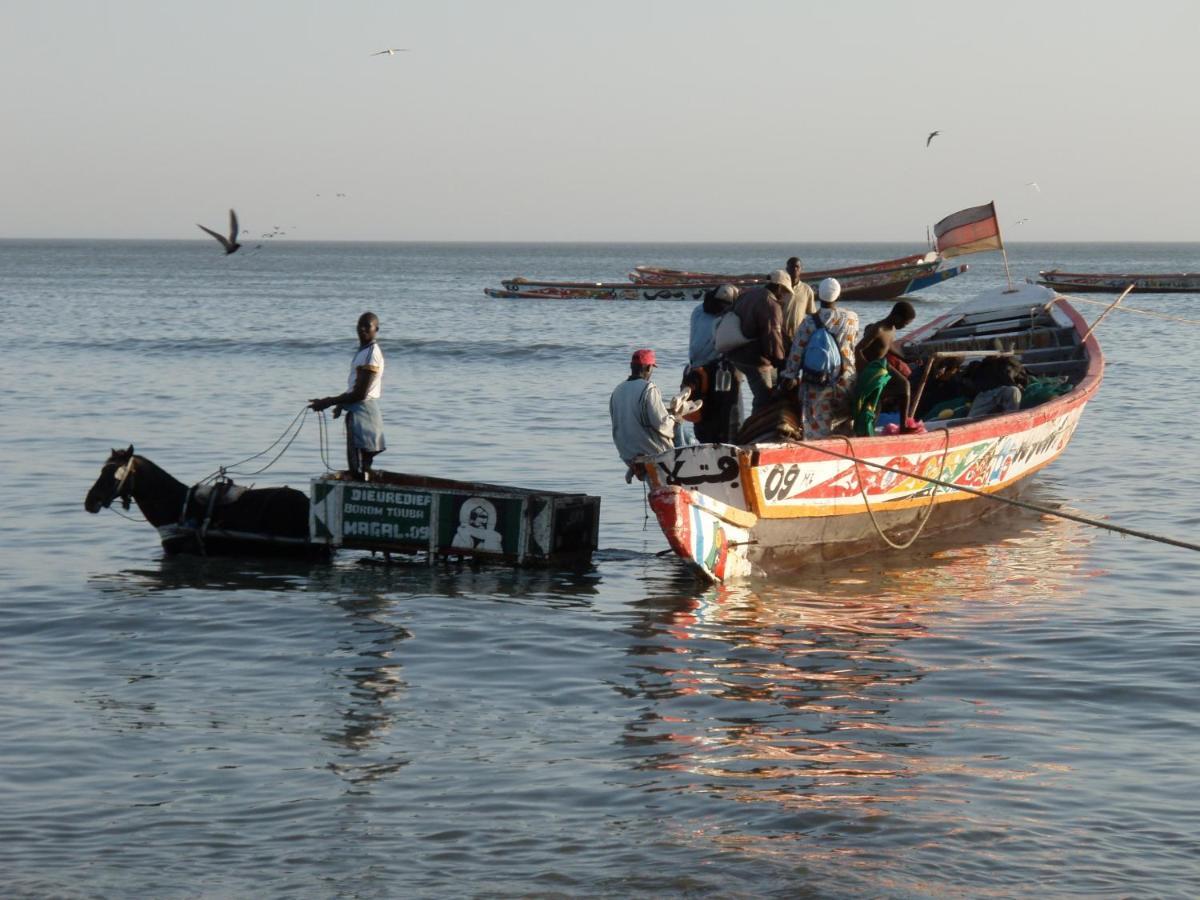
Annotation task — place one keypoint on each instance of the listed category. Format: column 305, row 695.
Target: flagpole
column 1003, row 251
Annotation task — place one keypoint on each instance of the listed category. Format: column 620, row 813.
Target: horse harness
column 221, row 492
column 121, row 476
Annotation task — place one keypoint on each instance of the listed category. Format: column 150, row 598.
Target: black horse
column 216, row 519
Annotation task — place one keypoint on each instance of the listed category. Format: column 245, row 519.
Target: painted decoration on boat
column 782, row 487
column 445, row 517
column 376, row 514
column 479, row 524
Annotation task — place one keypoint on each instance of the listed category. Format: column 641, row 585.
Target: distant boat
column 882, row 284
column 656, row 274
column 1114, row 283
column 735, row 511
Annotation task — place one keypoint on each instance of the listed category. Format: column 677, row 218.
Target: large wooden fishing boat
column 1115, row 283
column 734, row 511
column 885, row 284
column 659, row 275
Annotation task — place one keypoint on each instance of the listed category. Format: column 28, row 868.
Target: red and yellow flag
column 969, row 231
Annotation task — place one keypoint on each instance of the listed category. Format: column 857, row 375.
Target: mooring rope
column 1045, row 510
column 862, row 489
column 1133, row 309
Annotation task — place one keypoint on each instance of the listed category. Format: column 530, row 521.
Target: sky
column 657, row 120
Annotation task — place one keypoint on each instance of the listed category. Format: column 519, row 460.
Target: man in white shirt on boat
column 641, row 425
column 360, row 402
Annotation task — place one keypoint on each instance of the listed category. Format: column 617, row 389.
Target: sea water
column 1005, row 711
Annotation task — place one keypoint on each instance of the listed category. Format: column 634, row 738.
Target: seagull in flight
column 1021, row 221
column 230, row 243
column 390, row 51
column 1034, row 185
column 932, row 135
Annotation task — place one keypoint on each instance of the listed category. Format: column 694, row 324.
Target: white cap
column 829, row 290
column 727, row 293
column 779, row 276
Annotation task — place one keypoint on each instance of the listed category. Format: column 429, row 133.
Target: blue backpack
column 822, row 362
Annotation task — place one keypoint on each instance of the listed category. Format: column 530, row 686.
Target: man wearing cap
column 761, row 313
column 801, row 303
column 641, row 425
column 825, row 406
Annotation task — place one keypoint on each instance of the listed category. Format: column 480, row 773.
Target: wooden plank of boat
column 441, row 517
column 675, row 276
column 1114, row 282
column 924, row 281
column 884, row 284
column 618, row 290
column 733, row 510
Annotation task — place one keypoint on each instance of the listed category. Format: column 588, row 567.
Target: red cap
column 644, row 358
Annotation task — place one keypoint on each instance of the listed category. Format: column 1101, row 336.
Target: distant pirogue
column 876, row 281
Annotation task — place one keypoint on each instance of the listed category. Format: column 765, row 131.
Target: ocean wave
column 212, row 345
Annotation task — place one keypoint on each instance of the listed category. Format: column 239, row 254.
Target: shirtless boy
column 877, row 373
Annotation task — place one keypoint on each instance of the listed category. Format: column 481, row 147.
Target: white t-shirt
column 370, row 357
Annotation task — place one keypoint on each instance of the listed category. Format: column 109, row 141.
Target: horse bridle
column 121, row 477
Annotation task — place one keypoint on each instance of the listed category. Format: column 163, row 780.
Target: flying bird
column 1034, row 185
column 390, row 51
column 230, row 243
column 1021, row 221
column 932, row 135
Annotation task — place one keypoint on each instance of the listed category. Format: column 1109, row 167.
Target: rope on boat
column 1023, row 504
column 862, row 489
column 1144, row 312
column 323, row 440
column 227, row 469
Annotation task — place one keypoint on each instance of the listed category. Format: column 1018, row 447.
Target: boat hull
column 656, row 274
column 881, row 285
column 729, row 511
column 1115, row 283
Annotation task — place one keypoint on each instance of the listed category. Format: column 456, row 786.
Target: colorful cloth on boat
column 1003, row 399
column 867, row 392
column 1039, row 390
column 954, row 408
column 641, row 425
column 825, row 408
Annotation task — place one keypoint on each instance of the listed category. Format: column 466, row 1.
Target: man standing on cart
column 360, row 402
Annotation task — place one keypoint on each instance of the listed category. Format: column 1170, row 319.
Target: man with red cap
column 641, row 425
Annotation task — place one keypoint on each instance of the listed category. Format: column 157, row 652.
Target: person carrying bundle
column 708, row 376
column 641, row 425
column 756, row 349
